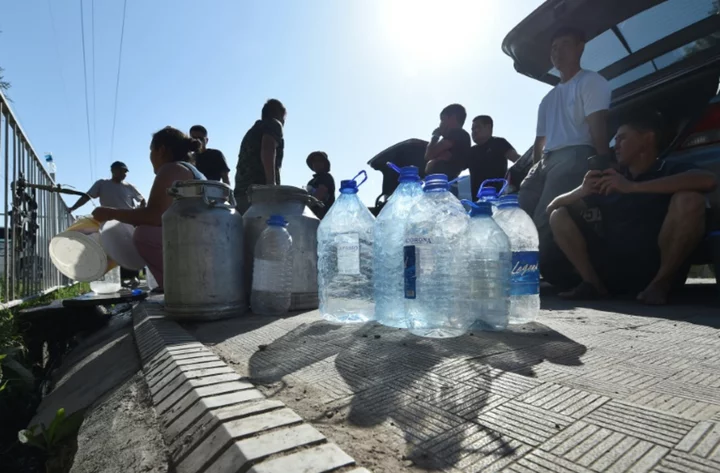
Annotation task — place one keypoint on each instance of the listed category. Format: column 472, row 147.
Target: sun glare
column 435, row 32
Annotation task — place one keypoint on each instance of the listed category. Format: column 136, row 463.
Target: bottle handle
column 486, row 181
column 393, row 167
column 361, row 173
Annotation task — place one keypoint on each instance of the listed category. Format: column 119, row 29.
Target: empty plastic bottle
column 436, row 267
column 489, row 269
column 388, row 267
column 345, row 258
column 272, row 269
column 524, row 274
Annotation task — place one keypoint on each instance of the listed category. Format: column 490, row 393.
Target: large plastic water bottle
column 388, row 268
column 489, row 267
column 524, row 275
column 345, row 258
column 272, row 269
column 436, row 266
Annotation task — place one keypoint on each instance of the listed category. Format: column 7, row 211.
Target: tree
column 4, row 85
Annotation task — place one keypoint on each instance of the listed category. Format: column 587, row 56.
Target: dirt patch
column 121, row 433
column 381, row 448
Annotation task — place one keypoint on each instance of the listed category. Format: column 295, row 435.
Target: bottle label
column 348, row 253
column 525, row 275
column 417, row 261
column 265, row 275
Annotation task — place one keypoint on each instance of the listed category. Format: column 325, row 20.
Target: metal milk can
column 203, row 252
column 292, row 203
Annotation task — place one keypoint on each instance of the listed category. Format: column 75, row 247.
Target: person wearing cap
column 322, row 184
column 114, row 192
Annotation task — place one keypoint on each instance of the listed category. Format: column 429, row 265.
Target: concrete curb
column 213, row 420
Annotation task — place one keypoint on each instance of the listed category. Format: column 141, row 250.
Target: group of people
column 610, row 221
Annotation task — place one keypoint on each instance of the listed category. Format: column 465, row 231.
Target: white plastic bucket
column 78, row 253
column 117, row 241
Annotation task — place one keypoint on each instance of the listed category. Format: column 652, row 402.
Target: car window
column 646, row 28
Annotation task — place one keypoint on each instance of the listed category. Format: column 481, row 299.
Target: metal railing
column 31, row 217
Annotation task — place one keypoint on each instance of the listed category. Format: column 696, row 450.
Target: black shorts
column 627, row 259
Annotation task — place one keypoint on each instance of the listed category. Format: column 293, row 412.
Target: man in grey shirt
column 118, row 194
column 114, row 192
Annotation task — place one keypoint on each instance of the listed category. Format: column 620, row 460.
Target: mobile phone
column 598, row 162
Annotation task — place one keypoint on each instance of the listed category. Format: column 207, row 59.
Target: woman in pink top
column 170, row 151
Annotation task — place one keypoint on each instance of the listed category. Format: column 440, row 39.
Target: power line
column 117, row 82
column 94, row 83
column 87, row 104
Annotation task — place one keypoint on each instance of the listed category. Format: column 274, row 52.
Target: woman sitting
column 322, row 185
column 170, row 151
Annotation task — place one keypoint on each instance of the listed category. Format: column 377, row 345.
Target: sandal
column 583, row 292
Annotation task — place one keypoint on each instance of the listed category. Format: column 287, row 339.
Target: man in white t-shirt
column 571, row 127
column 114, row 192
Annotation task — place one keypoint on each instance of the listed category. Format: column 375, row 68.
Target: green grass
column 9, row 336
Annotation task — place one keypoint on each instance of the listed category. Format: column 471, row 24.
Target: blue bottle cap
column 277, row 221
column 480, row 209
column 436, row 182
column 409, row 174
column 348, row 187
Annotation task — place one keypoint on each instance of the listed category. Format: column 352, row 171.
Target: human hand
column 102, row 214
column 590, row 184
column 613, row 182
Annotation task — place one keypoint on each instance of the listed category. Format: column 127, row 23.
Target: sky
column 356, row 76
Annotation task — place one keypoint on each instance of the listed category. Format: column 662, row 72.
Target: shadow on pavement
column 434, row 391
column 695, row 303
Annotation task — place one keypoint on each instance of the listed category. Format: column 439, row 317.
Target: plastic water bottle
column 51, row 167
column 524, row 275
column 388, row 268
column 109, row 283
column 345, row 258
column 489, row 267
column 150, row 279
column 436, row 263
column 272, row 269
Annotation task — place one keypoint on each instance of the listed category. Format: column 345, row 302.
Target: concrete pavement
column 617, row 387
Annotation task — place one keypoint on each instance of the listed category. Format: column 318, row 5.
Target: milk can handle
column 213, row 202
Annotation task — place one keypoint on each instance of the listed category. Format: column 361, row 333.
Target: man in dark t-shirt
column 652, row 217
column 261, row 153
column 488, row 159
column 447, row 152
column 210, row 162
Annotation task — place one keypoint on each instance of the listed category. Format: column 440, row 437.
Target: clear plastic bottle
column 345, row 258
column 272, row 269
column 489, row 268
column 388, row 267
column 110, row 283
column 525, row 274
column 436, row 266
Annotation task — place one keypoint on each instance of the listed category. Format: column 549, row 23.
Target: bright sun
column 436, row 32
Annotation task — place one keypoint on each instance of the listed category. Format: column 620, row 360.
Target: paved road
column 617, row 387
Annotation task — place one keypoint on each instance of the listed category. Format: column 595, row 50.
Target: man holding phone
column 653, row 217
column 571, row 127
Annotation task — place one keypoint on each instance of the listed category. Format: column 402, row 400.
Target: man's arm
column 538, row 148
column 268, row 150
column 598, row 131
column 224, row 169
column 93, row 193
column 695, row 180
column 436, row 148
column 588, row 187
column 512, row 155
column 225, row 177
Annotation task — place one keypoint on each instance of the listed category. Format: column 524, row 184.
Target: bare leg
column 570, row 240
column 682, row 230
